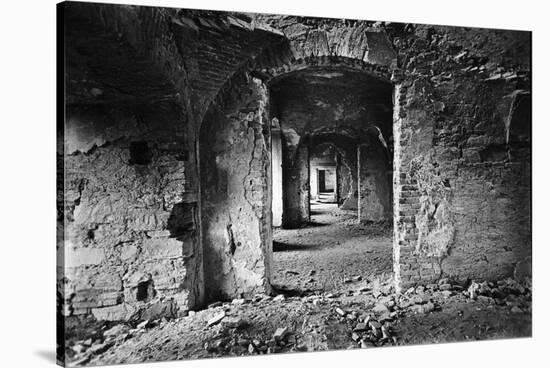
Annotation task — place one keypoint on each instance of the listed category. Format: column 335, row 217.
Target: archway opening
column 334, row 153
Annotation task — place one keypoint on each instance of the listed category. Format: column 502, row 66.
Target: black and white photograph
column 242, row 183
column 238, row 183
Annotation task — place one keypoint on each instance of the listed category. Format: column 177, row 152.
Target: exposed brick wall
column 143, row 75
column 462, row 201
column 129, row 218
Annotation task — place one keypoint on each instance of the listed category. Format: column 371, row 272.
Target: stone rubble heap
column 369, row 313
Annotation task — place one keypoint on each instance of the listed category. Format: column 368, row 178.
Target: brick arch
column 277, row 61
column 233, row 99
column 273, row 74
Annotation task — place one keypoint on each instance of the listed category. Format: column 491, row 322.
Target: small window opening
column 139, row 153
column 145, row 291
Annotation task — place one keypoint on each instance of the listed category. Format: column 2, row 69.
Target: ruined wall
column 141, row 79
column 347, row 173
column 374, row 183
column 235, row 154
column 129, row 214
column 138, row 81
column 462, row 198
column 131, row 233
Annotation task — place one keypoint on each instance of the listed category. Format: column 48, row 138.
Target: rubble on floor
column 364, row 316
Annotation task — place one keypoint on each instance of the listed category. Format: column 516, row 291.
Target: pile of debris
column 367, row 314
column 83, row 351
column 233, row 342
column 508, row 292
column 367, row 330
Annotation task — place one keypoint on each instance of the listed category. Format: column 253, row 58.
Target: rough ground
column 357, row 309
column 333, row 249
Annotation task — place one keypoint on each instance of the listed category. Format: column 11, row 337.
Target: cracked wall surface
column 140, row 81
column 235, row 156
column 461, row 196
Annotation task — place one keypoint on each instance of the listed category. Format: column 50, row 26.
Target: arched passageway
column 256, row 149
column 335, row 129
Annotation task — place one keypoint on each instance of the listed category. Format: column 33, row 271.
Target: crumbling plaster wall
column 137, row 77
column 347, row 179
column 130, row 221
column 374, row 182
column 295, row 180
column 235, row 146
column 462, row 201
column 129, row 211
column 461, row 185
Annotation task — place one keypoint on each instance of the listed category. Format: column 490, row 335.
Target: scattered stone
column 216, row 319
column 100, row 348
column 340, row 311
column 360, row 327
column 423, row 308
column 237, row 301
column 380, row 308
column 242, row 342
column 444, row 287
column 78, row 348
column 143, row 325
column 374, row 324
column 79, row 362
column 251, row 349
column 447, row 294
column 485, row 299
column 117, row 330
column 385, row 332
column 357, row 278
column 355, row 336
column 280, row 333
column 215, row 304
column 279, row 298
column 473, row 289
column 234, row 322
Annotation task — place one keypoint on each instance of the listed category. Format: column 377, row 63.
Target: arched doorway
column 296, row 109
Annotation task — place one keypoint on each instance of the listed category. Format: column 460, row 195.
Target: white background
column 27, row 180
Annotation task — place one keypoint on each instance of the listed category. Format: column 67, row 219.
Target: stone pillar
column 277, row 177
column 296, row 188
column 314, row 182
column 236, row 198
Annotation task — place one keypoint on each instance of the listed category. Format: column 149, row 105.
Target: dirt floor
column 333, row 249
column 333, row 291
